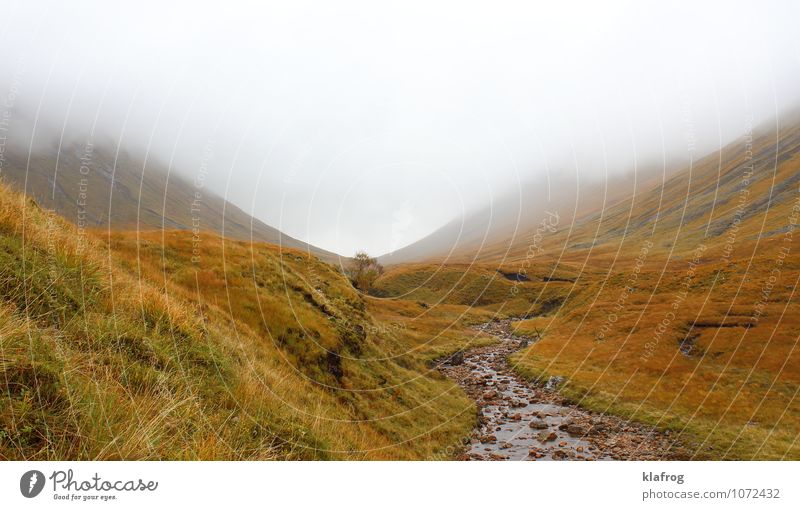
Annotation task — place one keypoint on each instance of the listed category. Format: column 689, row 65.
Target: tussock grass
column 123, row 347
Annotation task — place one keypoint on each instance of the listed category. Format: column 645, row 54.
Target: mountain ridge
column 485, row 236
column 93, row 186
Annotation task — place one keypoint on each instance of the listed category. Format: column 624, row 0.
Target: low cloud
column 358, row 125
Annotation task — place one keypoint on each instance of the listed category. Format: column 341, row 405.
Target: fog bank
column 358, row 125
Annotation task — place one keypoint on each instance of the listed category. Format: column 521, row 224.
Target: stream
column 519, row 420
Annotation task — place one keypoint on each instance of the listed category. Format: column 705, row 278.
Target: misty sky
column 370, row 124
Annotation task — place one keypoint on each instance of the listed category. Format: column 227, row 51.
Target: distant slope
column 490, row 233
column 744, row 191
column 747, row 189
column 77, row 183
column 594, row 216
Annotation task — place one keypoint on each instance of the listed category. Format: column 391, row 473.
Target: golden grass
column 123, row 347
column 731, row 394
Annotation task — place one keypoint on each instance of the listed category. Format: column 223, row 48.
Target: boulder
column 576, row 429
column 546, row 436
column 538, row 424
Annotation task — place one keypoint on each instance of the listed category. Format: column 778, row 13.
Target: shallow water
column 519, row 420
column 507, row 417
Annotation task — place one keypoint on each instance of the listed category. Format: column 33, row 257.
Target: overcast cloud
column 369, row 124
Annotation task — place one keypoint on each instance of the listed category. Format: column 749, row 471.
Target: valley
column 662, row 326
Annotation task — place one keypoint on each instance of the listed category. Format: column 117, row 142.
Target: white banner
column 354, row 485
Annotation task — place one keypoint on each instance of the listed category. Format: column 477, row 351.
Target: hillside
column 675, row 306
column 491, row 233
column 133, row 350
column 94, row 187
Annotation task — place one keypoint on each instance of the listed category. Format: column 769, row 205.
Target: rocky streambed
column 519, row 420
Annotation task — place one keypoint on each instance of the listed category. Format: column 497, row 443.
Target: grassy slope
column 733, row 394
column 478, row 285
column 125, row 348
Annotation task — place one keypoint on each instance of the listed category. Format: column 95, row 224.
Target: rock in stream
column 519, row 420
